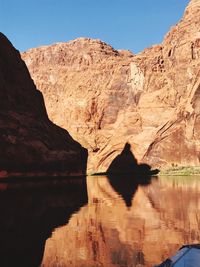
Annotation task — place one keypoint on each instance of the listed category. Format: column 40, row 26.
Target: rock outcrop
column 29, row 141
column 106, row 98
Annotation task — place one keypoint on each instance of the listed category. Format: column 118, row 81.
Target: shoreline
column 181, row 171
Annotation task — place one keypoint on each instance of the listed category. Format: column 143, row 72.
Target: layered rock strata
column 29, row 141
column 106, row 98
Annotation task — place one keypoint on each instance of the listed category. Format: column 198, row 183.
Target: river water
column 97, row 221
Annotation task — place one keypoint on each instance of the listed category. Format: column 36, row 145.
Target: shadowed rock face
column 29, row 141
column 106, row 98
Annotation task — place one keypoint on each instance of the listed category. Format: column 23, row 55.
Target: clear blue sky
column 125, row 24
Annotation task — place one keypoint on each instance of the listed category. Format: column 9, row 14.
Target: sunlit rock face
column 106, row 98
column 106, row 232
column 29, row 141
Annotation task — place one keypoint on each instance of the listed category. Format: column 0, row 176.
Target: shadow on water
column 125, row 174
column 30, row 212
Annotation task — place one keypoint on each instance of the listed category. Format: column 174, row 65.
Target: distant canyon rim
column 106, row 98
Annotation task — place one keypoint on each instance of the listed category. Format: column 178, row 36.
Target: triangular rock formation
column 29, row 141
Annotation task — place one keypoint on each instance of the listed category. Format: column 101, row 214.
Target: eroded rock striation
column 29, row 141
column 106, row 98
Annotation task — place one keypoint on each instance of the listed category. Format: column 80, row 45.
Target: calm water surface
column 97, row 221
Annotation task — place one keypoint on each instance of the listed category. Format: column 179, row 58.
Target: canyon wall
column 29, row 141
column 106, row 98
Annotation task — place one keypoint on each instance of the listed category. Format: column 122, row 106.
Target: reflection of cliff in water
column 163, row 216
column 29, row 213
column 127, row 185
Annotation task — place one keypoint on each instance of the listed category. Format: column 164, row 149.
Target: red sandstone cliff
column 106, row 98
column 29, row 141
